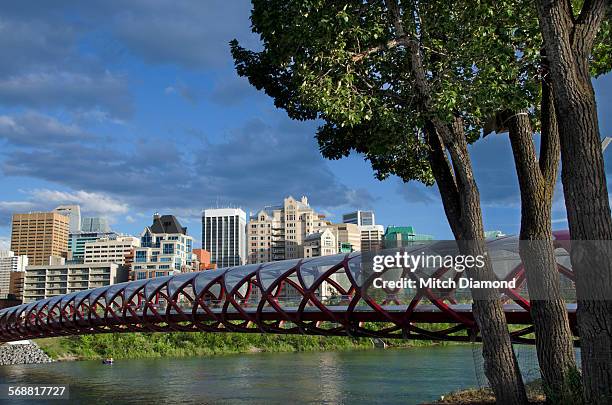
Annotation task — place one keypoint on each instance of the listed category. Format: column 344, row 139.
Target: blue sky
column 128, row 108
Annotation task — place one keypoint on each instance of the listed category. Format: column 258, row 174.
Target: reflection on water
column 392, row 376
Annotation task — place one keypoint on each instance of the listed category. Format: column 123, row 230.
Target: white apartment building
column 165, row 249
column 110, row 250
column 322, row 243
column 224, row 236
column 10, row 263
column 50, row 280
column 371, row 237
column 278, row 233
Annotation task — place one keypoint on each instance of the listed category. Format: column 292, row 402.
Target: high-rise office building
column 165, row 249
column 359, row 218
column 40, row 235
column 278, row 233
column 95, row 224
column 371, row 237
column 224, row 236
column 73, row 212
column 10, row 263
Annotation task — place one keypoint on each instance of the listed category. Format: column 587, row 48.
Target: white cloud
column 94, row 203
column 77, row 91
column 16, row 206
column 32, row 128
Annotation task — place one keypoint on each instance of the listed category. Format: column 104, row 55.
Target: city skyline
column 101, row 118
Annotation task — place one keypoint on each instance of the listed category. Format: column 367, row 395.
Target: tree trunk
column 461, row 202
column 537, row 181
column 568, row 42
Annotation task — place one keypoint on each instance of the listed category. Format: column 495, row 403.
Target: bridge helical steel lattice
column 319, row 296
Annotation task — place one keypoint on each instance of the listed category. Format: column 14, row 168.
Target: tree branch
column 386, row 46
column 396, row 17
column 525, row 159
column 550, row 148
column 441, row 169
column 588, row 22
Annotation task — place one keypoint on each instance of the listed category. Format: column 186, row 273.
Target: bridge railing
column 330, row 295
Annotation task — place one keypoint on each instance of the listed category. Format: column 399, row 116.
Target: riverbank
column 23, row 352
column 183, row 344
column 484, row 396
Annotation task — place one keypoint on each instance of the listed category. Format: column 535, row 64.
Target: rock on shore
column 22, row 353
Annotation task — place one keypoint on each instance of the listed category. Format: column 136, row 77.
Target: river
column 391, row 376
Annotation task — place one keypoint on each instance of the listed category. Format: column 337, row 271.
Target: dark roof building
column 167, row 224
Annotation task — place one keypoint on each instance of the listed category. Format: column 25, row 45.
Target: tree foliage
column 339, row 61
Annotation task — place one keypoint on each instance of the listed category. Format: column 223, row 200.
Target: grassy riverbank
column 484, row 396
column 179, row 344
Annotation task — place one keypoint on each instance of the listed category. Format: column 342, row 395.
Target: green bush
column 178, row 344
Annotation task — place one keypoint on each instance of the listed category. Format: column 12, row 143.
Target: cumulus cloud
column 181, row 32
column 44, row 65
column 189, row 94
column 254, row 165
column 413, row 192
column 27, row 42
column 34, row 129
column 231, row 91
column 94, row 203
column 261, row 163
column 494, row 171
column 8, row 208
column 77, row 91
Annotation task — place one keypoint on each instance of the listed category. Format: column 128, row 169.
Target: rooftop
column 167, row 224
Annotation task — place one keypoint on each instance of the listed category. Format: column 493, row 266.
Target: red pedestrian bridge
column 329, row 295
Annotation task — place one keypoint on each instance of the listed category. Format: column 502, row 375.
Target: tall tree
column 363, row 68
column 569, row 35
column 504, row 47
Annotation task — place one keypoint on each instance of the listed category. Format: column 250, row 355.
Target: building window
column 168, row 248
column 160, row 274
column 141, row 275
column 145, row 241
column 141, row 256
